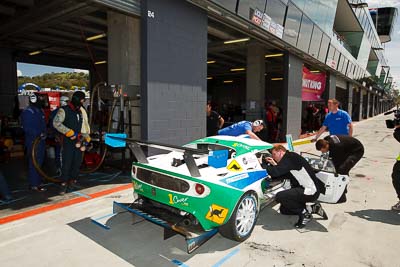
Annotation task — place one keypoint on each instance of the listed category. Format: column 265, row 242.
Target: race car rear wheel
column 243, row 219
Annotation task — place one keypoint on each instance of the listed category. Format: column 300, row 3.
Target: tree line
column 65, row 80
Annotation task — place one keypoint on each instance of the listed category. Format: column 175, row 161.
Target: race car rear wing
column 120, row 140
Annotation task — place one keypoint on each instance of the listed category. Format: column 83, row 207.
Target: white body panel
column 334, row 186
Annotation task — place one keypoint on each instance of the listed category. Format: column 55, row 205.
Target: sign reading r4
column 150, row 14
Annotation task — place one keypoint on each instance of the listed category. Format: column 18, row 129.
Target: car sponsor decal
column 234, row 166
column 235, row 178
column 137, row 187
column 217, row 214
column 241, row 146
column 242, row 180
column 178, row 200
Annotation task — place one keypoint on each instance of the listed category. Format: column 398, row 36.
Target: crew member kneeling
column 305, row 186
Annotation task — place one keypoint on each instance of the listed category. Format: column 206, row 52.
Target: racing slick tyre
column 243, row 219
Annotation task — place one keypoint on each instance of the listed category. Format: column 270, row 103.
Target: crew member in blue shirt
column 243, row 127
column 34, row 125
column 338, row 122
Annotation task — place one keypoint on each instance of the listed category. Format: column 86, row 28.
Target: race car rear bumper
column 172, row 223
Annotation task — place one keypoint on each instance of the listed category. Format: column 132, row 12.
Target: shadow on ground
column 272, row 220
column 375, row 215
column 15, row 172
column 141, row 243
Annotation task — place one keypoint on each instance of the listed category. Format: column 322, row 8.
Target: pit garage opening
column 244, row 76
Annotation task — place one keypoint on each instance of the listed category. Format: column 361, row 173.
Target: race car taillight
column 199, row 189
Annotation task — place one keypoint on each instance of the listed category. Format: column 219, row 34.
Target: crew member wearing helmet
column 69, row 121
column 243, row 127
column 34, row 125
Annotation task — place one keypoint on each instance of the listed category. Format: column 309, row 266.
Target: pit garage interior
column 109, row 38
column 87, row 35
column 105, row 38
column 169, row 57
column 231, row 63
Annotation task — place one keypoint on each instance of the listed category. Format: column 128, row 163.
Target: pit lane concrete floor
column 361, row 232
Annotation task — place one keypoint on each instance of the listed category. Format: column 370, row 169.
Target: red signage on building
column 313, row 85
column 54, row 99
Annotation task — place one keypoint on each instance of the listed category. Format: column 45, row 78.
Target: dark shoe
column 396, row 207
column 304, row 218
column 38, row 189
column 74, row 184
column 6, row 200
column 64, row 188
column 342, row 199
column 317, row 209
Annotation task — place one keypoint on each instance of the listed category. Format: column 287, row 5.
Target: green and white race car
column 214, row 184
column 209, row 185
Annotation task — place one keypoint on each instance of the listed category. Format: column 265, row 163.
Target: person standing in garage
column 214, row 120
column 34, row 125
column 337, row 122
column 69, row 122
column 53, row 133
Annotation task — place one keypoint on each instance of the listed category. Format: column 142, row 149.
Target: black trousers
column 396, row 178
column 293, row 201
column 71, row 160
column 350, row 162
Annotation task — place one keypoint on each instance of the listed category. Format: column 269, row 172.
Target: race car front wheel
column 243, row 219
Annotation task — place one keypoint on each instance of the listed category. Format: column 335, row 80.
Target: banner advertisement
column 54, row 100
column 313, row 85
column 266, row 22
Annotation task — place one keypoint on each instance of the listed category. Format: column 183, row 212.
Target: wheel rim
column 246, row 215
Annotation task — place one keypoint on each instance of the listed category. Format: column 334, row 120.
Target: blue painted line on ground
column 174, row 261
column 179, row 263
column 227, row 257
column 101, row 224
column 81, row 194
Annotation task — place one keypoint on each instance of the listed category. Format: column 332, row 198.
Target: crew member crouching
column 305, row 186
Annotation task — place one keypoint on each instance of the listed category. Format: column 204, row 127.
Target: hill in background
column 66, row 80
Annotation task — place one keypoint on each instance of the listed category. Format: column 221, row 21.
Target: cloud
column 83, row 71
column 19, row 73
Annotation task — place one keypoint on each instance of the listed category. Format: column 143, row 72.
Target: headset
column 258, row 123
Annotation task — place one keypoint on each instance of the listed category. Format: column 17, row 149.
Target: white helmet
column 64, row 101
